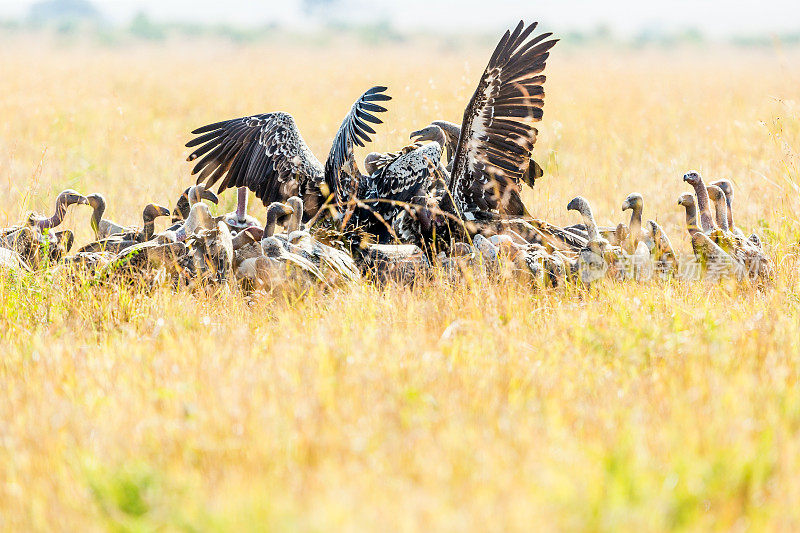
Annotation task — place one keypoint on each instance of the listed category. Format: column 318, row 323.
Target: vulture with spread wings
column 493, row 151
column 267, row 155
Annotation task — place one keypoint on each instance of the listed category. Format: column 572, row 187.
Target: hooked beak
column 626, row 205
column 686, row 177
column 77, row 199
column 210, row 196
column 417, row 133
column 279, row 211
column 572, row 205
column 162, row 211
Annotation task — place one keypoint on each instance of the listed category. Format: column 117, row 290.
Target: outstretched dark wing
column 264, row 153
column 497, row 133
column 341, row 172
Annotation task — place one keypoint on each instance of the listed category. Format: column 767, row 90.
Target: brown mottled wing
column 497, row 133
column 411, row 173
column 264, row 153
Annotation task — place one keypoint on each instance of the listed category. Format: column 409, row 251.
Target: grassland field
column 482, row 406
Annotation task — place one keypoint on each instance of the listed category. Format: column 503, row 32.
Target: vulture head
column 275, row 212
column 371, row 162
column 686, row 200
column 69, row 197
column 246, row 236
column 727, row 189
column 633, row 201
column 429, row 133
column 692, row 178
column 579, row 204
column 153, row 211
column 96, row 201
column 189, row 197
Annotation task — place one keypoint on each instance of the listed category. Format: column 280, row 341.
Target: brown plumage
column 267, row 154
column 497, row 133
column 687, row 201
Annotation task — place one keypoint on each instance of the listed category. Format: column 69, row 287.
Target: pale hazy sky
column 713, row 17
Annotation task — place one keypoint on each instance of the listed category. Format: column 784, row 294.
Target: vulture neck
column 721, row 212
column 691, row 218
column 272, row 221
column 636, row 223
column 97, row 216
column 706, row 221
column 44, row 223
column 294, row 221
column 439, row 137
column 729, row 204
column 588, row 220
column 148, row 227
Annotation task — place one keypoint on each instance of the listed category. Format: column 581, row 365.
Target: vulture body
column 124, row 237
column 452, row 132
column 489, row 159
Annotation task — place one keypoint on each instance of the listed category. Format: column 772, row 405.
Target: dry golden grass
column 482, row 406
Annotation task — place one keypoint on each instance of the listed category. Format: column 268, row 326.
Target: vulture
column 402, row 263
column 11, row 261
column 332, row 262
column 102, row 227
column 635, row 203
column 276, row 211
column 747, row 256
column 687, row 201
column 246, row 245
column 135, row 260
column 63, row 201
column 490, row 157
column 266, row 154
column 716, row 195
column 591, row 263
column 706, row 221
column 262, row 260
column 714, row 259
column 599, row 257
column 212, row 253
column 36, row 241
column 123, row 237
column 280, row 266
column 41, row 223
column 190, row 214
column 727, row 189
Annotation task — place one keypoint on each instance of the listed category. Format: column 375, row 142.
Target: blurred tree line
column 83, row 18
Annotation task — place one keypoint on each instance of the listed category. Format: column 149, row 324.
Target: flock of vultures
column 450, row 201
